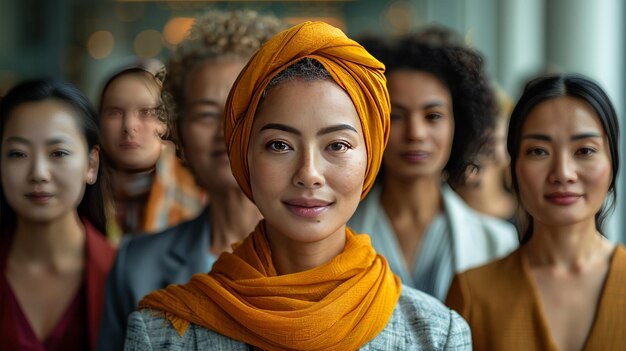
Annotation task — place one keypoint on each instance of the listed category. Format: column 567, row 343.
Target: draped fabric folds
column 340, row 305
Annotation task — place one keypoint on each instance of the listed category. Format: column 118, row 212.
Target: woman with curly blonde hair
column 200, row 74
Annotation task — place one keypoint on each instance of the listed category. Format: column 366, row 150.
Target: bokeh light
column 148, row 43
column 100, row 44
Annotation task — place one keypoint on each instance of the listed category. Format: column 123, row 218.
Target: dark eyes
column 279, row 146
column 584, row 151
column 339, row 146
column 55, row 154
column 536, row 152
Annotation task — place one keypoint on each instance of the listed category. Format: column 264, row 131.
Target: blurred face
column 45, row 162
column 206, row 92
column 422, row 126
column 564, row 166
column 307, row 160
column 129, row 124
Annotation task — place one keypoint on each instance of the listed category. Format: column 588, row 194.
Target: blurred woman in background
column 152, row 189
column 53, row 256
column 442, row 110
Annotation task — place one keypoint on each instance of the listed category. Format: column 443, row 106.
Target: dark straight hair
column 92, row 206
column 555, row 86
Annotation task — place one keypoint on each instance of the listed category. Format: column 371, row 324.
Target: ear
column 93, row 165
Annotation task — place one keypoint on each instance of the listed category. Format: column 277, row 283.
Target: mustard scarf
column 340, row 305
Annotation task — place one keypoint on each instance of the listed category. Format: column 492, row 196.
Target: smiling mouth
column 563, row 199
column 307, row 209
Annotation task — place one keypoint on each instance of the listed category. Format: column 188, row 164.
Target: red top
column 79, row 325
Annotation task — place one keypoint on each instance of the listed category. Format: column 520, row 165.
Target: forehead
column 212, row 79
column 414, row 86
column 130, row 88
column 43, row 119
column 563, row 115
column 308, row 105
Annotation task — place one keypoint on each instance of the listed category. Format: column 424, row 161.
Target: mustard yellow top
column 502, row 307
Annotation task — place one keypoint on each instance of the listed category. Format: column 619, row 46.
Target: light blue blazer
column 474, row 239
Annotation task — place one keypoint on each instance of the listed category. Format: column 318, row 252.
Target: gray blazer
column 149, row 262
column 419, row 322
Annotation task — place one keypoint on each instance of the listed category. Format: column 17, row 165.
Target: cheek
column 600, row 177
column 348, row 178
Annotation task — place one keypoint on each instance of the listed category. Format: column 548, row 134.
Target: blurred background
column 84, row 41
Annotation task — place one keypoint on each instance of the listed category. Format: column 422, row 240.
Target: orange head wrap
column 350, row 65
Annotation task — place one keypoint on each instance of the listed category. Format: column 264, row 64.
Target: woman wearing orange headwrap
column 306, row 124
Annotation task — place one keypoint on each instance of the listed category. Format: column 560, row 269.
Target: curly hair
column 461, row 69
column 218, row 35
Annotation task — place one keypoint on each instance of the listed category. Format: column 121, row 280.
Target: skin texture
column 46, row 164
column 564, row 172
column 129, row 126
column 306, row 179
column 206, row 91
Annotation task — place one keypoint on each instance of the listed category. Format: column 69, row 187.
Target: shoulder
column 148, row 330
column 422, row 322
column 151, row 245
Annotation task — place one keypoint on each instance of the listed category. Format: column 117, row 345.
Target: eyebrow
column 53, row 141
column 430, row 104
column 203, row 102
column 575, row 137
column 326, row 130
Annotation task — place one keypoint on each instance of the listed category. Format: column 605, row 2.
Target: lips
column 40, row 198
column 563, row 198
column 415, row 156
column 307, row 207
column 129, row 145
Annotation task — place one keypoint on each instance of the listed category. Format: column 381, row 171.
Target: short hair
column 217, row 35
column 551, row 87
column 307, row 69
column 93, row 204
column 461, row 70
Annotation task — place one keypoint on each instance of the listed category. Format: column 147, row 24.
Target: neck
column 53, row 243
column 233, row 217
column 419, row 199
column 290, row 256
column 490, row 196
column 568, row 247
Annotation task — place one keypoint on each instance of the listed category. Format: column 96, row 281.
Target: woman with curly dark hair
column 441, row 110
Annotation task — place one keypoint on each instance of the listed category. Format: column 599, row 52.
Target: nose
column 39, row 171
column 415, row 128
column 309, row 174
column 563, row 169
column 130, row 122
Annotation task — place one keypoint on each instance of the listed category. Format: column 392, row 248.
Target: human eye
column 433, row 116
column 113, row 112
column 339, row 146
column 395, row 116
column 16, row 154
column 278, row 146
column 59, row 153
column 586, row 151
column 536, row 151
column 148, row 112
